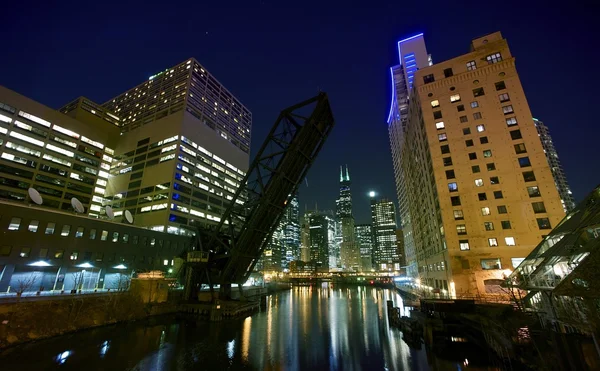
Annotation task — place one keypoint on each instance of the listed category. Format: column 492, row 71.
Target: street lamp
column 372, row 194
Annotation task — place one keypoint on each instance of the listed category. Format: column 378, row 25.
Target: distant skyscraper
column 385, row 253
column 556, row 168
column 349, row 250
column 291, row 232
column 305, row 238
column 321, row 236
column 364, row 238
column 413, row 56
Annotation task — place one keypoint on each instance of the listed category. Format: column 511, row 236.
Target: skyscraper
column 321, row 235
column 478, row 188
column 182, row 152
column 412, row 55
column 364, row 238
column 558, row 173
column 349, row 250
column 385, row 253
column 291, row 232
column 284, row 245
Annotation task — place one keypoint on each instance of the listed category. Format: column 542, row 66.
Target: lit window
column 66, row 229
column 165, row 262
column 27, row 139
column 442, row 137
column 79, row 232
column 490, row 264
column 34, row 119
column 435, row 103
column 485, row 211
column 115, row 236
column 439, row 125
column 60, row 150
column 50, row 228
column 5, row 119
column 65, row 131
column 508, row 109
column 33, row 226
column 511, row 121
column 520, row 148
column 474, row 104
column 492, row 242
column 103, row 235
column 533, row 191
column 487, row 153
column 455, row 98
column 510, row 241
column 452, row 187
column 494, row 58
column 461, row 229
column 74, row 255
column 480, row 128
column 92, row 234
column 479, row 182
column 471, row 66
column 516, row 261
column 152, row 242
column 94, row 143
column 503, row 97
column 15, row 224
column 464, row 245
column 489, row 226
column 458, row 215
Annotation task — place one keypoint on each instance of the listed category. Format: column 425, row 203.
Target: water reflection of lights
column 104, row 348
column 62, row 357
column 231, row 349
column 246, row 338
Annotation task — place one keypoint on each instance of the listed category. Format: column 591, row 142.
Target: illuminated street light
column 372, row 194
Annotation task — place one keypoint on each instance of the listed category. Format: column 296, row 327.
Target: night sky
column 272, row 55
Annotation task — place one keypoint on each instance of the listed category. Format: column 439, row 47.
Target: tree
column 77, row 281
column 26, row 283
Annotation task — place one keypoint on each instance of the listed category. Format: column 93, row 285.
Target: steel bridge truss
column 230, row 251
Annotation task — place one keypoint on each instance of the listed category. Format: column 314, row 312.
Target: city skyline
column 62, row 76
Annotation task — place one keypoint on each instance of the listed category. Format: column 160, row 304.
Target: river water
column 306, row 328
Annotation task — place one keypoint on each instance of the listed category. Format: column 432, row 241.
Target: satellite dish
column 34, row 195
column 109, row 212
column 77, row 205
column 128, row 216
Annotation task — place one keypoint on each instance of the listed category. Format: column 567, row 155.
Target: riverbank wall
column 32, row 320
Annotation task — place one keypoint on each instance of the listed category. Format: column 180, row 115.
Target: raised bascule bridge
column 227, row 254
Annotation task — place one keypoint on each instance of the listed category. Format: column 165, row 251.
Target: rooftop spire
column 347, row 174
column 341, row 174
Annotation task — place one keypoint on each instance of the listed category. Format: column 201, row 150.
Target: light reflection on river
column 307, row 328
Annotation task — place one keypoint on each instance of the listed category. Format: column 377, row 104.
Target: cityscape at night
column 317, row 185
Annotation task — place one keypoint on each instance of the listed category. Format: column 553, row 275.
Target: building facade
column 182, row 151
column 412, row 55
column 560, row 179
column 478, row 185
column 385, row 253
column 364, row 238
column 321, row 235
column 349, row 249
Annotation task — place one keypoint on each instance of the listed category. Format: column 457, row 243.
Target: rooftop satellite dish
column 77, row 205
column 34, row 195
column 109, row 212
column 128, row 216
